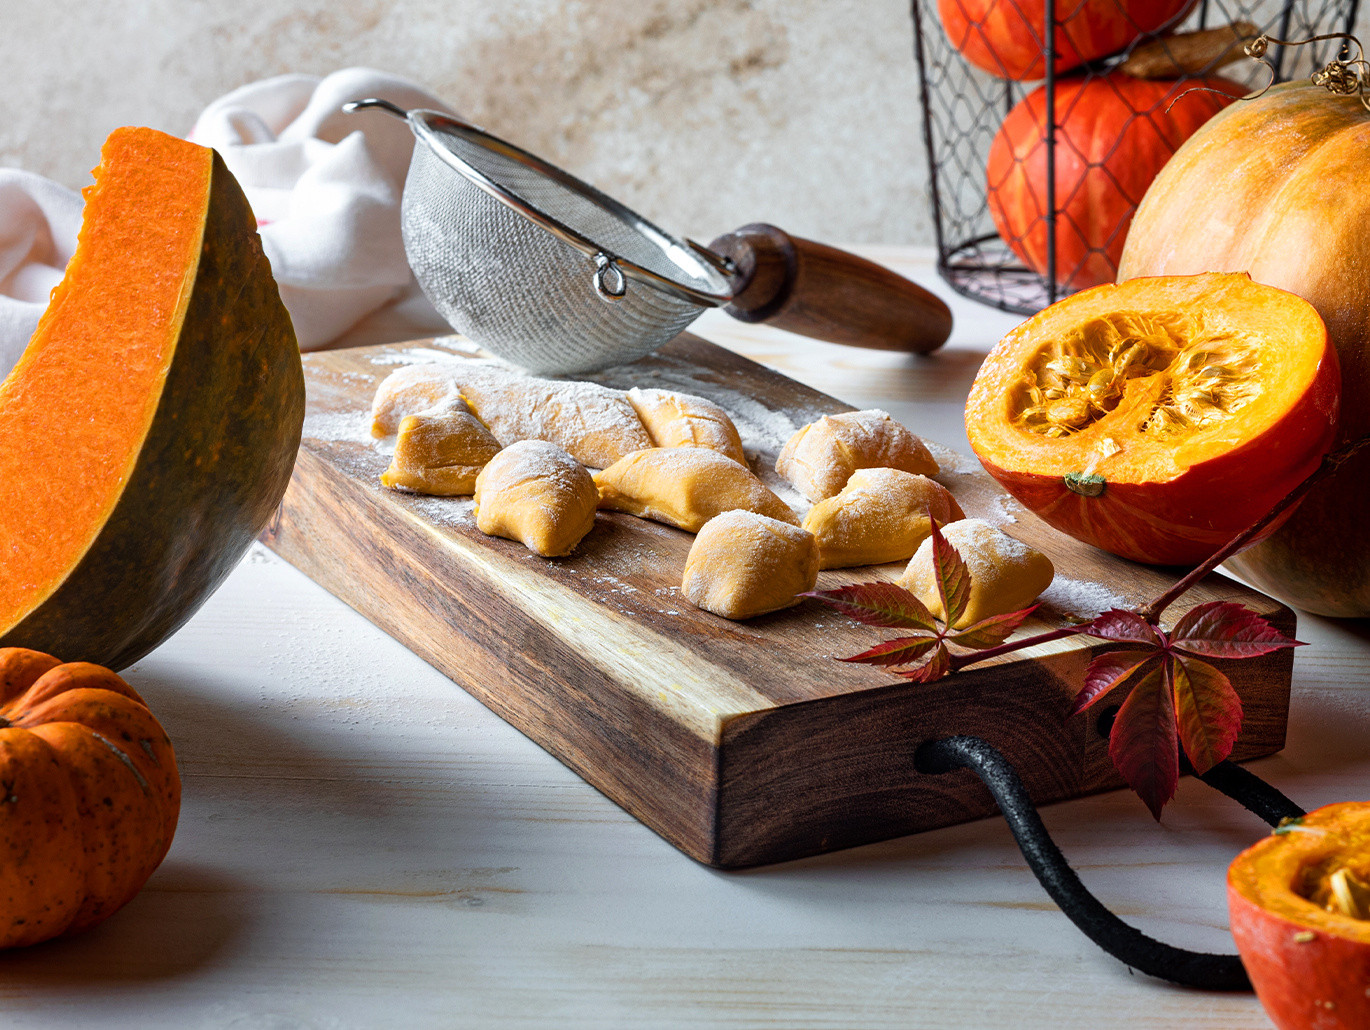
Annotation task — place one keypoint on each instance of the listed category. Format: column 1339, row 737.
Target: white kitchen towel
column 325, row 186
column 38, row 224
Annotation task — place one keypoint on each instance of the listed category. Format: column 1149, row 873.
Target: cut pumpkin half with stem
column 148, row 432
column 1157, row 418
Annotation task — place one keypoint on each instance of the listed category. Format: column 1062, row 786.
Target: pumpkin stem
column 1345, row 78
column 1188, row 53
column 1331, row 461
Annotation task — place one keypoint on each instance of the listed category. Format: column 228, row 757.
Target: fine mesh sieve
column 550, row 274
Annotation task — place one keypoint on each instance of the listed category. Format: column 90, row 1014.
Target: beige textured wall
column 702, row 114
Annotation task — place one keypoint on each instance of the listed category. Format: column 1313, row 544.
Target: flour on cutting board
column 1001, row 510
column 1080, row 597
column 339, row 426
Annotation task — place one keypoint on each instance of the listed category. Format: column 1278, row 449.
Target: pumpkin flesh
column 1274, row 186
column 1297, row 906
column 1159, row 417
column 148, row 431
column 76, row 414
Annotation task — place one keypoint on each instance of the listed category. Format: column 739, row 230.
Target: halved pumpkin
column 1299, row 902
column 149, row 430
column 1157, row 418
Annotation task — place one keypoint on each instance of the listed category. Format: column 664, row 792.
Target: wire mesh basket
column 1039, row 151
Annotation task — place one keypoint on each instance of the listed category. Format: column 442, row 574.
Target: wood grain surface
column 740, row 743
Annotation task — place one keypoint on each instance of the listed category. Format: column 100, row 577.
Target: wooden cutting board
column 739, row 742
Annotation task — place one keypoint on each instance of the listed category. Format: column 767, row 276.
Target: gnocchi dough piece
column 881, row 515
column 440, row 453
column 685, row 487
column 820, row 458
column 537, row 494
column 684, row 420
column 743, row 564
column 409, row 391
column 1006, row 574
column 594, row 424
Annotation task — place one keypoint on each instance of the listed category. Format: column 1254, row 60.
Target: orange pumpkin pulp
column 1157, row 418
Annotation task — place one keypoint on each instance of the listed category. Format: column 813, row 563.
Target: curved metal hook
column 353, row 106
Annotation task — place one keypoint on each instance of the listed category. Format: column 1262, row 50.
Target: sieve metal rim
column 714, row 267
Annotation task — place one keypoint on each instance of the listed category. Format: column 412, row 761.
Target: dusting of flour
column 1080, row 597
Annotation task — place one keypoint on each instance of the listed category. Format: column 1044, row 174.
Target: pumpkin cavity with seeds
column 1158, row 418
column 1299, row 901
column 1173, row 372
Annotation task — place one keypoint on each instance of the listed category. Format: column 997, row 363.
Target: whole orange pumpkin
column 1299, row 902
column 1113, row 134
column 1007, row 37
column 1275, row 187
column 89, row 795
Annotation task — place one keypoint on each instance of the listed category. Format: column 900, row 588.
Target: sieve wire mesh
column 518, row 290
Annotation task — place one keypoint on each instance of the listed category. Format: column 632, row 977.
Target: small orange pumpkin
column 89, row 795
column 1299, row 902
column 1113, row 134
column 1007, row 37
column 1158, row 418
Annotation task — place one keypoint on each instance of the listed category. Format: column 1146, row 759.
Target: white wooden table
column 362, row 845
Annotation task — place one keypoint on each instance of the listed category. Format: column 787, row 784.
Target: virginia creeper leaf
column 990, row 632
column 1106, row 672
column 887, row 605
column 937, row 666
column 953, row 578
column 1124, row 626
column 1224, row 629
column 1208, row 712
column 1143, row 743
column 901, row 651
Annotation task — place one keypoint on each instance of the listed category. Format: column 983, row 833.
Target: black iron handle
column 1125, row 943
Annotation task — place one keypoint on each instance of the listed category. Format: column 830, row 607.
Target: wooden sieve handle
column 820, row 291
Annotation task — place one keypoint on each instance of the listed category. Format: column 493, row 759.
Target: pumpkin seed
column 1348, row 895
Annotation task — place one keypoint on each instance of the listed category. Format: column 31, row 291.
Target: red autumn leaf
column 951, row 574
column 1224, row 629
column 1208, row 712
column 887, row 605
column 1107, row 671
column 1124, row 626
column 990, row 632
column 937, row 666
column 1143, row 743
column 901, row 651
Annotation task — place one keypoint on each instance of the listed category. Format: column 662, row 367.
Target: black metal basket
column 963, row 107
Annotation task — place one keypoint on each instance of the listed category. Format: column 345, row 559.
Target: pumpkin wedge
column 149, row 430
column 1299, row 902
column 1157, row 418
